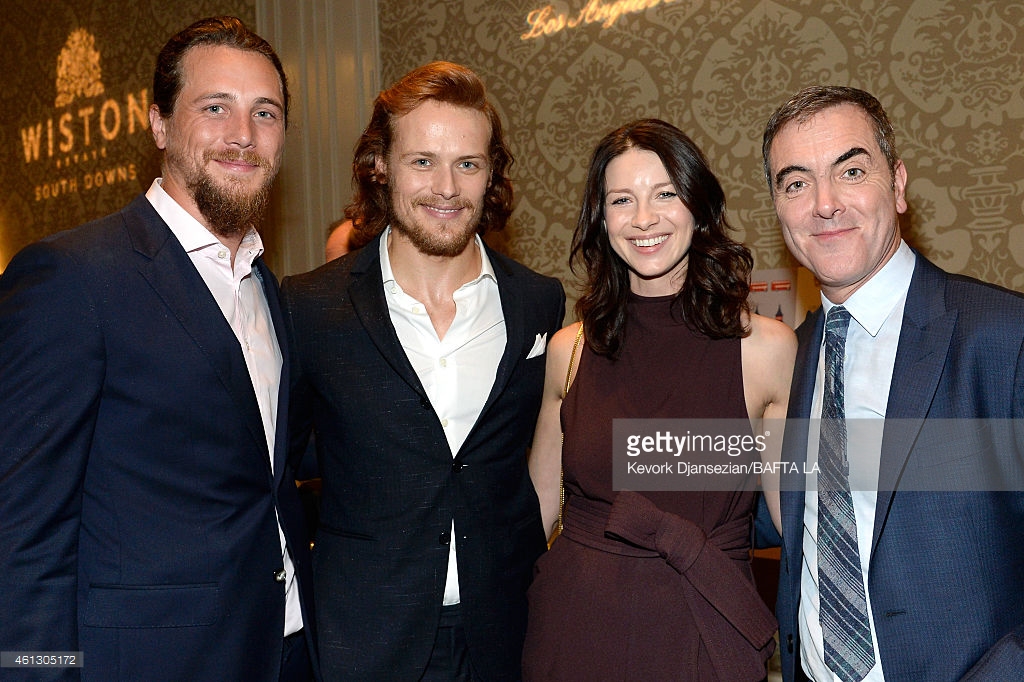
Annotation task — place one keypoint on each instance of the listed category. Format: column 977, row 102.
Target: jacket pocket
column 151, row 606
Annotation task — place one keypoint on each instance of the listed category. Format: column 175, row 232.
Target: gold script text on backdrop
column 546, row 20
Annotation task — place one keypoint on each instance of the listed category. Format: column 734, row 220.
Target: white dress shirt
column 243, row 302
column 876, row 310
column 457, row 372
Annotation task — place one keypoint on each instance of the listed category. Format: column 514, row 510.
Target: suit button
column 789, row 643
column 280, row 576
column 424, row 403
column 444, row 538
column 458, row 466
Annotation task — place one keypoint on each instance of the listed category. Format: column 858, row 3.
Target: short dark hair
column 441, row 82
column 226, row 31
column 714, row 292
column 817, row 98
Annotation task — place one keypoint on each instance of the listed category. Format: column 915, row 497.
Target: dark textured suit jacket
column 391, row 487
column 137, row 504
column 946, row 573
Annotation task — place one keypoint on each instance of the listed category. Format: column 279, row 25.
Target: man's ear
column 158, row 127
column 899, row 186
column 380, row 168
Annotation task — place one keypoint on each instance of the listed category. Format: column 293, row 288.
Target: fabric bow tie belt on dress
column 725, row 604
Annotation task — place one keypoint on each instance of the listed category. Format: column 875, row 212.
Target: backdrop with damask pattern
column 949, row 72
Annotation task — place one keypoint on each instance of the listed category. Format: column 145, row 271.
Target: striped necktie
column 843, row 612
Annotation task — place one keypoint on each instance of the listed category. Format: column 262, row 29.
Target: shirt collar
column 486, row 269
column 189, row 231
column 875, row 300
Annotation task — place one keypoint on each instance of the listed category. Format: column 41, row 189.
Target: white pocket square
column 539, row 344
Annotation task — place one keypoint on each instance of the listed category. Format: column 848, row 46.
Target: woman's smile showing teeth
column 650, row 241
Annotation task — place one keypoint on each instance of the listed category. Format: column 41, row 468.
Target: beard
column 229, row 208
column 448, row 241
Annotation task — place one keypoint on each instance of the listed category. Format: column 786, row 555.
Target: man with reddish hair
column 419, row 362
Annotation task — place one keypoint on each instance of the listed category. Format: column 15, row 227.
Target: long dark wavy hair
column 713, row 296
column 443, row 82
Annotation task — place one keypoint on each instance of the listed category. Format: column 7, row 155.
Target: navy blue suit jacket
column 137, row 503
column 391, row 486
column 946, row 573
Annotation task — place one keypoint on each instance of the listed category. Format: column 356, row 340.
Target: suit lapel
column 367, row 295
column 174, row 278
column 513, row 310
column 270, row 289
column 809, row 335
column 920, row 357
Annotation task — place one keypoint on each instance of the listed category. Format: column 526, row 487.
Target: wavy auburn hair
column 443, row 82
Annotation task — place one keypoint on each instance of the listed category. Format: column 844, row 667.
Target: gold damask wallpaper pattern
column 949, row 72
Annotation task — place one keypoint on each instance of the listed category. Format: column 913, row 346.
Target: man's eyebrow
column 216, row 95
column 841, row 159
column 269, row 100
column 416, row 152
column 855, row 151
column 780, row 176
column 232, row 97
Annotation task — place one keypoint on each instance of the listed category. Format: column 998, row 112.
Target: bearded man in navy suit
column 937, row 559
column 419, row 360
column 148, row 516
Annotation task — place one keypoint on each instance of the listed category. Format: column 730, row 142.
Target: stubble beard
column 447, row 242
column 230, row 210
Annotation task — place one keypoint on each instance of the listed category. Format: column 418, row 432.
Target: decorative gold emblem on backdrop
column 75, row 139
column 78, row 69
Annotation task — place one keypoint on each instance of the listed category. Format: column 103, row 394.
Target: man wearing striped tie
column 903, row 533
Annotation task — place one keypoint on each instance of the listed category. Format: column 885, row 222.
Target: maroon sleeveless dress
column 601, row 608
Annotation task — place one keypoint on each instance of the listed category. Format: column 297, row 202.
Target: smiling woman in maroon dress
column 652, row 585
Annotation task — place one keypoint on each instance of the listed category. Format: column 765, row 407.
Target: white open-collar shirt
column 458, row 371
